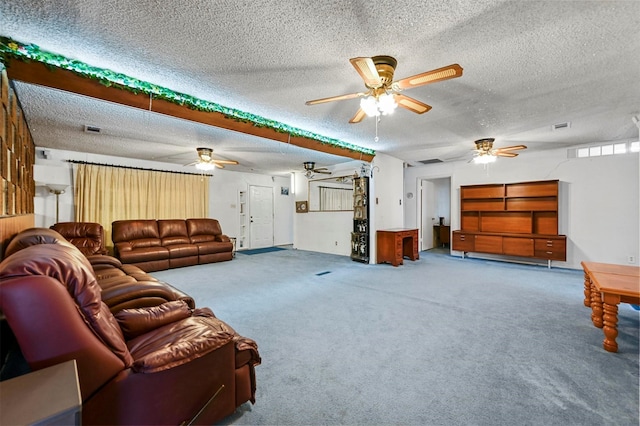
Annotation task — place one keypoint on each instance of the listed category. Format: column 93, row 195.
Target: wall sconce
column 57, row 189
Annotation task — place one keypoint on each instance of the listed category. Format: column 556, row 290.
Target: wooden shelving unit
column 360, row 234
column 518, row 219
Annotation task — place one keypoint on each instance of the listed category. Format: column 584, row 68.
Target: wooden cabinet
column 516, row 219
column 441, row 235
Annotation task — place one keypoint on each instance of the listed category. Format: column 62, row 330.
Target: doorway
column 260, row 216
column 435, row 205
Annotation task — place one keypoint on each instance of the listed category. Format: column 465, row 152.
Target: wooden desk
column 605, row 287
column 394, row 244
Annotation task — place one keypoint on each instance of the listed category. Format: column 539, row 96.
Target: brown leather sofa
column 154, row 245
column 166, row 364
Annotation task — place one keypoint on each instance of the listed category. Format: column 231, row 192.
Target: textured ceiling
column 527, row 66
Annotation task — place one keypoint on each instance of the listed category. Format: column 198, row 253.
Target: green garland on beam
column 30, row 52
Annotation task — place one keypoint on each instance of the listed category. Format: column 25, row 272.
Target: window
column 605, row 149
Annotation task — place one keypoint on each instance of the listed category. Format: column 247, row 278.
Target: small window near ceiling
column 602, row 150
column 607, row 149
column 620, row 148
column 583, row 152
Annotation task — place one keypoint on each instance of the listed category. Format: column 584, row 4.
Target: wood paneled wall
column 17, row 156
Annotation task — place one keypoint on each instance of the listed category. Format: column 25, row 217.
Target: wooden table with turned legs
column 605, row 287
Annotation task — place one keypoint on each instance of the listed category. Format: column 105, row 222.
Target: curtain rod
column 136, row 168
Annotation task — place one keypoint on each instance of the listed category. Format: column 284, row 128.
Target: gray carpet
column 439, row 341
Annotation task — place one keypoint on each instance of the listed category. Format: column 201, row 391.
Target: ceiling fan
column 485, row 153
column 310, row 168
column 207, row 162
column 383, row 94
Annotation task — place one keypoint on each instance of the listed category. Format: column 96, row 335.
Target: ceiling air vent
column 560, row 126
column 92, row 129
column 431, row 161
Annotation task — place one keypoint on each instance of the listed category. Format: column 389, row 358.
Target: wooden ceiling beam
column 40, row 74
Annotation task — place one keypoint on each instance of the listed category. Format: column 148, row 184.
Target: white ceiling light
column 205, row 166
column 374, row 106
column 485, row 159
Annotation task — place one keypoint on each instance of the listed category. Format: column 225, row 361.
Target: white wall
column 224, row 187
column 327, row 231
column 599, row 198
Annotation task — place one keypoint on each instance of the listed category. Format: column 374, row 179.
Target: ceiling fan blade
column 322, row 172
column 511, row 148
column 360, row 115
column 504, row 154
column 411, row 104
column 233, row 162
column 440, row 74
column 335, row 98
column 367, row 70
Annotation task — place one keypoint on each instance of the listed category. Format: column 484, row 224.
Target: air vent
column 92, row 129
column 560, row 126
column 431, row 161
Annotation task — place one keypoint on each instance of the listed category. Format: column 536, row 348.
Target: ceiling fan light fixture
column 383, row 104
column 369, row 106
column 205, row 166
column 386, row 103
column 485, row 159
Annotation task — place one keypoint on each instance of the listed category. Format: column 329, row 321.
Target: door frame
column 419, row 213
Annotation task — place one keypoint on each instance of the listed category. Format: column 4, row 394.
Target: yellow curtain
column 104, row 194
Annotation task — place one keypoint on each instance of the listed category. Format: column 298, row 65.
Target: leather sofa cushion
column 135, row 322
column 203, row 226
column 177, row 343
column 144, row 254
column 173, row 231
column 128, row 230
column 182, row 250
column 88, row 237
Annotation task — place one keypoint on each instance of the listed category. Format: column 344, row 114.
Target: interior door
column 260, row 216
column 428, row 207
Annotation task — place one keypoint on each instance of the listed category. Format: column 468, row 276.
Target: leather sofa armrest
column 135, row 322
column 102, row 259
column 223, row 238
column 176, row 344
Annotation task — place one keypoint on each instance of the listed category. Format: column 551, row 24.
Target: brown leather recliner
column 123, row 286
column 158, row 365
column 87, row 236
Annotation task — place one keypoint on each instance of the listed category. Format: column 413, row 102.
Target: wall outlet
column 336, row 243
column 631, row 259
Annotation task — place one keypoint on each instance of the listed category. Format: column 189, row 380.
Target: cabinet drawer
column 463, row 242
column 550, row 248
column 551, row 244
